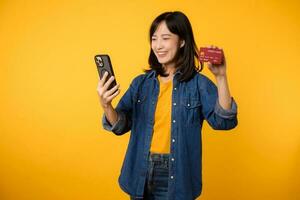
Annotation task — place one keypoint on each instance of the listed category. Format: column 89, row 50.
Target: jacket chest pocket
column 138, row 98
column 191, row 111
column 140, row 95
column 139, row 104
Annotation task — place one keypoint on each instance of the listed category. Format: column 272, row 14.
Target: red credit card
column 215, row 56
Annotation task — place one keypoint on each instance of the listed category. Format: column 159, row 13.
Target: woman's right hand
column 106, row 96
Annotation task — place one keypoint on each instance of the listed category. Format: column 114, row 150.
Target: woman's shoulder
column 140, row 78
column 203, row 80
column 201, row 77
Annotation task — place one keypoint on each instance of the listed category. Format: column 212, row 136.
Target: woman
column 165, row 108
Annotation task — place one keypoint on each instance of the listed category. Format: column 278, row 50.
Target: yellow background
column 52, row 145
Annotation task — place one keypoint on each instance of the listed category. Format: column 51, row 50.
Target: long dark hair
column 178, row 24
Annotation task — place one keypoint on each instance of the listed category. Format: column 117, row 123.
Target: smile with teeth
column 161, row 53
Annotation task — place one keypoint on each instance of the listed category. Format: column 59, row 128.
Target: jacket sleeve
column 124, row 110
column 217, row 117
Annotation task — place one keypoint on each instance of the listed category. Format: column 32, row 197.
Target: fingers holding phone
column 107, row 88
column 107, row 94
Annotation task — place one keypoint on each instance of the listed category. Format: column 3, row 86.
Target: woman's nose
column 159, row 44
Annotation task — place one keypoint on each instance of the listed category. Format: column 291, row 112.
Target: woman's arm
column 119, row 119
column 219, row 108
column 110, row 114
column 223, row 92
column 106, row 97
column 219, row 71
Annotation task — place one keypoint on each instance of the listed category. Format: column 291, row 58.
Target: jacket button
column 172, row 177
column 174, row 104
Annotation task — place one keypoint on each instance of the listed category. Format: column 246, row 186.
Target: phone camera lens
column 99, row 61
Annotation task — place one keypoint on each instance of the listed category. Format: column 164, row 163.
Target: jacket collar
column 153, row 74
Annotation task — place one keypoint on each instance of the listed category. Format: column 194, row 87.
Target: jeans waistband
column 158, row 157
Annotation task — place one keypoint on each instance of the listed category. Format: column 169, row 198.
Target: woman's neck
column 170, row 71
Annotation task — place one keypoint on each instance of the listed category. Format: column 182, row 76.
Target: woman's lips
column 161, row 54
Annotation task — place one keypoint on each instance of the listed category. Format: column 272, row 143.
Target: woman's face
column 165, row 45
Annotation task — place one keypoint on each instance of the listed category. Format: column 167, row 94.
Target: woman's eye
column 166, row 38
column 153, row 39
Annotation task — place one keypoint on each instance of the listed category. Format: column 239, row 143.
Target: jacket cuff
column 226, row 114
column 117, row 126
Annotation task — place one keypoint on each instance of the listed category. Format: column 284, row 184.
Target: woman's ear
column 182, row 43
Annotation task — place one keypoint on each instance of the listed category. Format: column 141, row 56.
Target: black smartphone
column 104, row 65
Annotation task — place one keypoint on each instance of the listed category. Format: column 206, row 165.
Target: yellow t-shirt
column 162, row 122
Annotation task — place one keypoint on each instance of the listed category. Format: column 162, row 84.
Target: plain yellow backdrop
column 52, row 145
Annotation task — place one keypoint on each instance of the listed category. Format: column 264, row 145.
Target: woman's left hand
column 217, row 70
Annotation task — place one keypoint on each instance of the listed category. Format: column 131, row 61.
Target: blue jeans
column 156, row 187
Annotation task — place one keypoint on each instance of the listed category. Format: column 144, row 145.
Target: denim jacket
column 192, row 102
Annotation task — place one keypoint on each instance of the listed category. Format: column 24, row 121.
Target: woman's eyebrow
column 166, row 34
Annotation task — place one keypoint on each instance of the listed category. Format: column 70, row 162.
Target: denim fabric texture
column 193, row 101
column 156, row 187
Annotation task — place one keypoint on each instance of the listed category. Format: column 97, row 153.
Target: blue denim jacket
column 192, row 102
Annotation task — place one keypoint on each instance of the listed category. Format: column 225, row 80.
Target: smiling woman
column 165, row 45
column 164, row 151
column 173, row 45
column 51, row 143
